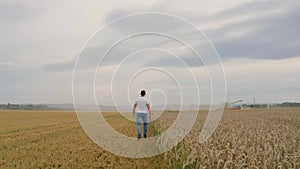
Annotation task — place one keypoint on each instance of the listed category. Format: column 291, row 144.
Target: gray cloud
column 19, row 11
column 273, row 37
column 89, row 58
column 271, row 29
column 58, row 67
column 269, row 35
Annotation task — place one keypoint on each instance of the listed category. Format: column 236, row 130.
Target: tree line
column 285, row 104
column 9, row 106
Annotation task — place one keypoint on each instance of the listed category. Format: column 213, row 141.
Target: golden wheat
column 256, row 138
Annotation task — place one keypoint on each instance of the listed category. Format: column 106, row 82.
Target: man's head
column 143, row 92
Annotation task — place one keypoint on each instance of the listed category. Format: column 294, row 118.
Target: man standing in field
column 142, row 109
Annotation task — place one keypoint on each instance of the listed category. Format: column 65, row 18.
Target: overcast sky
column 258, row 42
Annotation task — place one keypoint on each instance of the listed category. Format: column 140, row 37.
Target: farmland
column 255, row 138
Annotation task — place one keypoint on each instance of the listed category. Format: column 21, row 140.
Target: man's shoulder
column 138, row 99
column 146, row 99
column 142, row 98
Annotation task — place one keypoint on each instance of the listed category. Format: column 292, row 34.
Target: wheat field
column 255, row 138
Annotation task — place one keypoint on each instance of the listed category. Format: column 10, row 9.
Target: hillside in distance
column 126, row 108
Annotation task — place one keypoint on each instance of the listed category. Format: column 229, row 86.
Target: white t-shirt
column 141, row 105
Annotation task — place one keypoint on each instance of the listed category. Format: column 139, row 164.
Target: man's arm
column 148, row 107
column 133, row 110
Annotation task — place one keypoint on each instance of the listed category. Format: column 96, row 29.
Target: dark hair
column 143, row 93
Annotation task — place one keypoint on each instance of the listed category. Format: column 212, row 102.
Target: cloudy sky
column 257, row 41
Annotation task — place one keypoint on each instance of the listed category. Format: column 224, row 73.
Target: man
column 142, row 109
